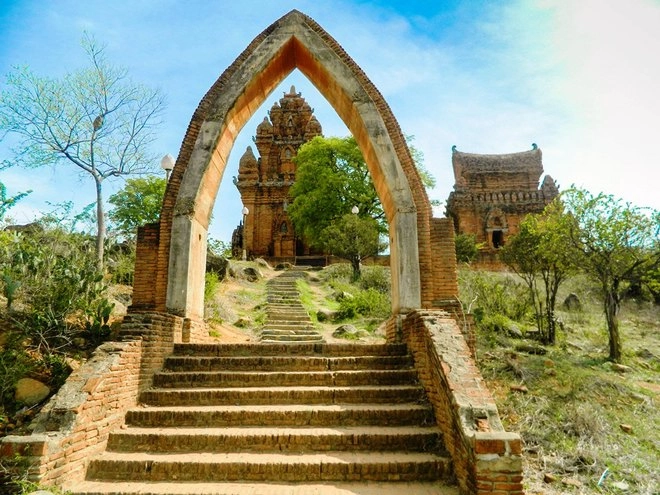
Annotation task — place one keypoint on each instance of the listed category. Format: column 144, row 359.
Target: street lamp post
column 355, row 210
column 167, row 164
column 245, row 212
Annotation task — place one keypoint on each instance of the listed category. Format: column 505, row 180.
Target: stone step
column 261, row 439
column 283, row 329
column 291, row 467
column 169, row 379
column 282, row 415
column 222, row 488
column 287, row 363
column 294, row 339
column 324, row 349
column 284, row 319
column 282, row 395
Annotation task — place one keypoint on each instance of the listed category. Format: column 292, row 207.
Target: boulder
column 262, row 263
column 347, row 332
column 572, row 302
column 30, row 392
column 252, row 274
column 326, row 315
column 217, row 264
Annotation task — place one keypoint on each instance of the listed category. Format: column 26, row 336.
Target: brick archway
column 171, row 255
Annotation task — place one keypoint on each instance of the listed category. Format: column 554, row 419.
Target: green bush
column 376, row 277
column 466, row 248
column 366, row 303
column 337, row 272
column 487, row 294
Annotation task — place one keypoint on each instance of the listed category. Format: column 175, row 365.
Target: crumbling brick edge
column 486, row 459
column 75, row 423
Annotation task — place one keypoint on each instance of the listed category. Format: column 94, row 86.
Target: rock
column 519, row 388
column 262, row 263
column 626, row 428
column 531, row 349
column 30, row 392
column 41, row 492
column 549, row 478
column 243, row 322
column 347, row 332
column 341, row 295
column 621, row 368
column 217, row 264
column 620, row 485
column 283, row 266
column 571, row 482
column 326, row 315
column 572, row 303
column 252, row 274
column 79, row 342
column 514, row 331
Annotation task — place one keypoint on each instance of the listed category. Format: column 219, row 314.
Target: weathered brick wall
column 487, row 459
column 146, row 261
column 445, row 278
column 76, row 422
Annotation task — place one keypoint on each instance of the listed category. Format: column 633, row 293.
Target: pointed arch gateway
column 171, row 255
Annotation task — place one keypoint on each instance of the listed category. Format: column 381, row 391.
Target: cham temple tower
column 493, row 193
column 264, row 182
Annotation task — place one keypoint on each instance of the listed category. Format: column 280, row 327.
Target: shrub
column 466, row 248
column 488, row 294
column 376, row 277
column 366, row 303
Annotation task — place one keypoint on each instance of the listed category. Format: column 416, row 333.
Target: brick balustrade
column 76, row 422
column 487, row 459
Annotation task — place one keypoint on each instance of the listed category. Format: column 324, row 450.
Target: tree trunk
column 100, row 224
column 611, row 315
column 355, row 263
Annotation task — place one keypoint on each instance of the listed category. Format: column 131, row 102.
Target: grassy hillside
column 582, row 419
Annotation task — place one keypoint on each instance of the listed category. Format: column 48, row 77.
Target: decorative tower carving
column 264, row 182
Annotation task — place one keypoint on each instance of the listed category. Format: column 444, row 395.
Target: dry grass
column 581, row 416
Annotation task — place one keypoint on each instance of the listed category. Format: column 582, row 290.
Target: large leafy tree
column 95, row 119
column 331, row 178
column 138, row 203
column 538, row 253
column 618, row 243
column 353, row 238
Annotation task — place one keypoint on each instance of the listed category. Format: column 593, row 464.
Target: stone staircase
column 278, row 419
column 286, row 318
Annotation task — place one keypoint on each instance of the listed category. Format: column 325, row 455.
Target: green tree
column 539, row 251
column 138, row 203
column 353, row 238
column 467, row 248
column 617, row 243
column 331, row 178
column 95, row 119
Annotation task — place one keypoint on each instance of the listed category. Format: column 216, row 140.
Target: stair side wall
column 75, row 424
column 486, row 458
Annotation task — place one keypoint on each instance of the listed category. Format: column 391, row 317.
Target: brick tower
column 264, row 182
column 492, row 195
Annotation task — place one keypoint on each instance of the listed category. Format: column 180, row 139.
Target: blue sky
column 581, row 78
